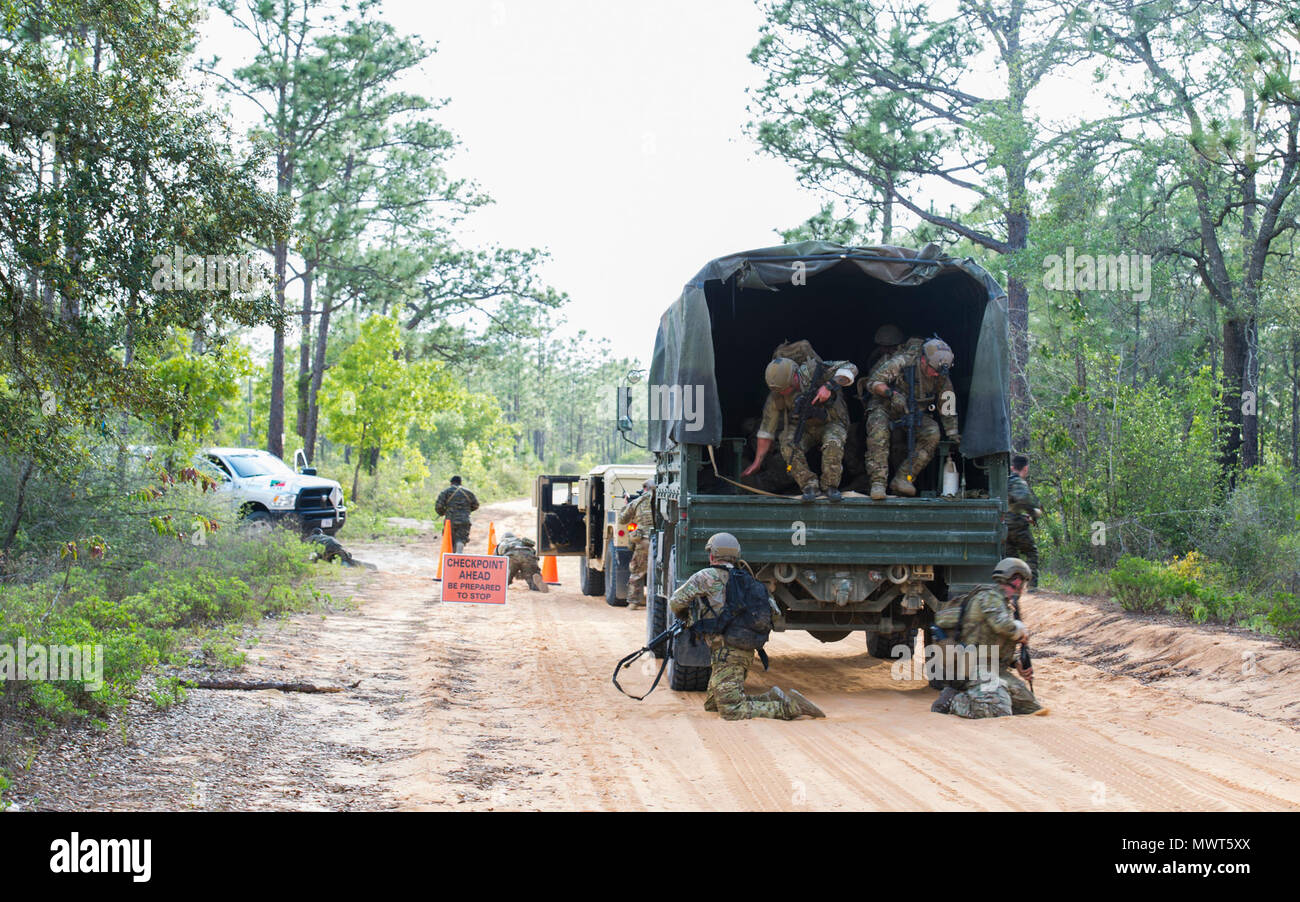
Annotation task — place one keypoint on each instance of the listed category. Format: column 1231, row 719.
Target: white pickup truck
column 265, row 489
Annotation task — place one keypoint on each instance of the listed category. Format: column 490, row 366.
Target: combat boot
column 901, row 485
column 537, row 583
column 833, row 494
column 943, row 704
column 809, row 492
column 801, row 705
column 877, row 491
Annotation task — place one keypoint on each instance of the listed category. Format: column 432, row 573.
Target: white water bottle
column 949, row 478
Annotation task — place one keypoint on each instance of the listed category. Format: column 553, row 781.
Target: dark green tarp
column 871, row 285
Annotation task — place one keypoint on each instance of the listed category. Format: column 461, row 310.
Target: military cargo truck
column 577, row 516
column 879, row 568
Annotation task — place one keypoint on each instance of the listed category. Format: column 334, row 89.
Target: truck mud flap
column 691, row 652
column 621, row 572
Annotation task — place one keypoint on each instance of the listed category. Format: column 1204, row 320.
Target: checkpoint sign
column 475, row 578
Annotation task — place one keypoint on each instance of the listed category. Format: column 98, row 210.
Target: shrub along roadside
column 1198, row 590
column 147, row 606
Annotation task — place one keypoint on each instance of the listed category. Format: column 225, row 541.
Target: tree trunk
column 19, row 501
column 1232, row 400
column 317, row 377
column 304, row 351
column 275, row 419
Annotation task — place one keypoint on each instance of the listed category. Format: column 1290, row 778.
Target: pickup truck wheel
column 591, row 580
column 611, row 577
column 880, row 645
column 687, row 679
column 256, row 522
column 656, row 620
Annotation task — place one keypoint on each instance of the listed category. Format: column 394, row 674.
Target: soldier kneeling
column 988, row 621
column 523, row 561
column 703, row 602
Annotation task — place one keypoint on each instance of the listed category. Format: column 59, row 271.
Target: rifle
column 1025, row 661
column 804, row 406
column 666, row 636
column 912, row 418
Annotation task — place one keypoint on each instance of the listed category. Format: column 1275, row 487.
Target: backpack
column 746, row 617
column 800, row 351
column 947, row 623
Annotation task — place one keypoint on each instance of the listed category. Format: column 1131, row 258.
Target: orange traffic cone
column 549, row 571
column 492, row 538
column 446, row 548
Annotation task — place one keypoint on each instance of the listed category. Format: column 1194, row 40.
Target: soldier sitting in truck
column 804, row 409
column 912, row 382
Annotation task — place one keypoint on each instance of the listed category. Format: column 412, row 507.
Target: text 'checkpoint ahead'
column 474, row 578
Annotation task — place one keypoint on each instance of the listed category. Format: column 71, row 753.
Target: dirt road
column 477, row 707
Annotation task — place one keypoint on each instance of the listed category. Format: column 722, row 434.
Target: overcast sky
column 610, row 133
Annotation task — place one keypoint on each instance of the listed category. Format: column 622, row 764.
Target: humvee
column 879, row 568
column 577, row 516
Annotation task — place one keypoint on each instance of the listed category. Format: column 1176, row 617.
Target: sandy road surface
column 478, row 707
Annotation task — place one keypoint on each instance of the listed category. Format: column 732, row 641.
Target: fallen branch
column 260, row 685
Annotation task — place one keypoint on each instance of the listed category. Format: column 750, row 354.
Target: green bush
column 1284, row 615
column 1142, row 585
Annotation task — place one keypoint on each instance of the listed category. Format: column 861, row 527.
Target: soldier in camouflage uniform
column 636, row 519
column 703, row 596
column 1023, row 512
column 331, row 548
column 786, row 381
column 990, row 622
column 455, row 503
column 888, row 338
column 887, row 383
column 523, row 560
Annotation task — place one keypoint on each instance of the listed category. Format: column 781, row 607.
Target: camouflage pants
column 523, row 566
column 1020, row 543
column 636, row 570
column 726, row 693
column 459, row 535
column 830, row 434
column 926, row 442
column 1005, row 696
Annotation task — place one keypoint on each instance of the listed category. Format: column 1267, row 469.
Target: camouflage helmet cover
column 780, row 373
column 1010, row 567
column 888, row 335
column 723, row 545
column 937, row 353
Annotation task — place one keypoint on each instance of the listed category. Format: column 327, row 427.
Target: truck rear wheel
column 687, row 679
column 881, row 645
column 656, row 621
column 591, row 581
column 611, row 577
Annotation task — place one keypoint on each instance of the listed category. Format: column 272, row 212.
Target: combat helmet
column 888, row 335
column 723, row 545
column 938, row 354
column 780, row 373
column 1010, row 567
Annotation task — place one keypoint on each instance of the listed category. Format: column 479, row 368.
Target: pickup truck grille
column 314, row 501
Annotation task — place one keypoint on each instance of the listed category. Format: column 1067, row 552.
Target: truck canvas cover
column 739, row 307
